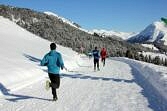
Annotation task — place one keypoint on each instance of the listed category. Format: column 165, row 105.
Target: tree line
column 146, row 58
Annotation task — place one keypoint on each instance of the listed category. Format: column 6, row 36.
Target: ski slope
column 122, row 85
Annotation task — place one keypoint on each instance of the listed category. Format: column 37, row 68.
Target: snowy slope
column 122, row 85
column 153, row 33
column 17, row 47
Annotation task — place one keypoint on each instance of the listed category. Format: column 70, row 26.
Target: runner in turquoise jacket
column 53, row 60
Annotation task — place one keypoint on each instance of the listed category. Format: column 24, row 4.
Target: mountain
column 64, row 19
column 73, row 24
column 62, row 31
column 154, row 33
column 111, row 33
column 102, row 33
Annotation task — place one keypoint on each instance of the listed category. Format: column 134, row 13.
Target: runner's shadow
column 31, row 58
column 81, row 76
column 16, row 97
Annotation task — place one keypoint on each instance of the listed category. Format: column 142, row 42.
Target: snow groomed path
column 116, row 87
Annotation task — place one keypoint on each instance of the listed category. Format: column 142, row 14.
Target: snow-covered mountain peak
column 109, row 33
column 153, row 33
column 157, row 26
column 161, row 26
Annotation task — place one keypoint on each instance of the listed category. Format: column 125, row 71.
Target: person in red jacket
column 103, row 55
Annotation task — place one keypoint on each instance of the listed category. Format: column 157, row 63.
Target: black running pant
column 103, row 60
column 55, row 83
column 96, row 62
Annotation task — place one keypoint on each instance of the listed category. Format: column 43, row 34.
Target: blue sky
column 118, row 15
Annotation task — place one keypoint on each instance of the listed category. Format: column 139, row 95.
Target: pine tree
column 165, row 61
column 146, row 59
column 129, row 54
column 157, row 60
column 149, row 59
column 136, row 56
column 141, row 57
column 162, row 61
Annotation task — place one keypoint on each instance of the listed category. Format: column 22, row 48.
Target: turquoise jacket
column 53, row 60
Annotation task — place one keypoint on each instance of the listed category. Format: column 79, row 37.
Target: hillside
column 54, row 29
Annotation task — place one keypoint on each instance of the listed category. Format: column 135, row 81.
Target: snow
column 18, row 46
column 122, row 85
column 109, row 33
column 102, row 32
column 66, row 21
column 153, row 55
column 153, row 77
column 159, row 28
column 61, row 18
column 151, row 46
column 154, row 32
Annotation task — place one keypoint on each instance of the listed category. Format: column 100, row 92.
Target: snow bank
column 153, row 75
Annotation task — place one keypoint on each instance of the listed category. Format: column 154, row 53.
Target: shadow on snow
column 82, row 76
column 16, row 97
column 31, row 58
